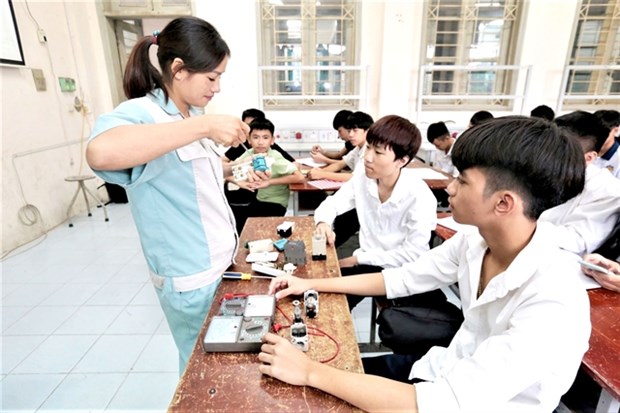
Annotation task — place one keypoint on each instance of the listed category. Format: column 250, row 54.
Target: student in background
column 479, row 117
column 543, row 112
column 583, row 223
column 396, row 209
column 328, row 157
column 248, row 116
column 357, row 124
column 273, row 193
column 439, row 135
column 523, row 338
column 609, row 156
column 153, row 145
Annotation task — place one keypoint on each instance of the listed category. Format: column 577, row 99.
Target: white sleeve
column 340, row 202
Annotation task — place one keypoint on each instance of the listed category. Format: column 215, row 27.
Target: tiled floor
column 82, row 329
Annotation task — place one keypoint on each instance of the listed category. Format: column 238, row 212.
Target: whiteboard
column 10, row 44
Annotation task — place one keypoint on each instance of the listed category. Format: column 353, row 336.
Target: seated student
column 609, row 155
column 396, row 209
column 523, row 337
column 583, row 223
column 248, row 116
column 273, row 193
column 439, row 135
column 321, row 155
column 480, row 117
column 357, row 124
column 543, row 112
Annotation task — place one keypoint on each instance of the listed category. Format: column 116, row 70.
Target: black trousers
column 345, row 226
column 392, row 366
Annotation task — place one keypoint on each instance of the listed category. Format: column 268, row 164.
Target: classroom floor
column 82, row 329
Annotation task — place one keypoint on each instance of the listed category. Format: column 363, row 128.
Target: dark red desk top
column 231, row 381
column 602, row 361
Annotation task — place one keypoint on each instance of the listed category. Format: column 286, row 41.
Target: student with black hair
column 543, row 112
column 583, row 223
column 523, row 337
column 321, row 155
column 357, row 124
column 273, row 193
column 609, row 155
column 248, row 116
column 161, row 148
column 480, row 117
column 396, row 209
column 439, row 135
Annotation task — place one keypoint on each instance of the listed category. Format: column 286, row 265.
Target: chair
column 81, row 187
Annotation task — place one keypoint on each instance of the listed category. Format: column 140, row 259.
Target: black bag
column 415, row 329
column 116, row 193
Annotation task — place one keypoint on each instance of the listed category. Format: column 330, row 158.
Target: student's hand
column 225, row 130
column 258, row 176
column 326, row 230
column 610, row 282
column 316, row 173
column 261, row 184
column 283, row 361
column 317, row 149
column 319, row 158
column 288, row 285
column 348, row 262
column 245, row 185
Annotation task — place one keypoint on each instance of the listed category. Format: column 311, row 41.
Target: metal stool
column 80, row 180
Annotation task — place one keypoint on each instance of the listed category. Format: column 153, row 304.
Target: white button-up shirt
column 584, row 222
column 393, row 232
column 355, row 157
column 522, row 340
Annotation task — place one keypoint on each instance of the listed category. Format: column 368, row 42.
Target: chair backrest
column 611, row 247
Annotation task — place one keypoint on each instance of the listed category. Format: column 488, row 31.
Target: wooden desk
column 306, row 187
column 231, row 381
column 432, row 183
column 602, row 361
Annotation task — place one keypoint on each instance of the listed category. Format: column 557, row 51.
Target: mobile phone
column 595, row 267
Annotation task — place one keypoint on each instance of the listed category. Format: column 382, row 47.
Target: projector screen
column 10, row 45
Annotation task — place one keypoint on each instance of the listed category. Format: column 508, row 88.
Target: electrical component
column 285, row 229
column 264, row 269
column 319, row 247
column 311, row 302
column 299, row 332
column 41, row 35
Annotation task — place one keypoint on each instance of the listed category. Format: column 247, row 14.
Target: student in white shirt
column 583, row 223
column 339, row 123
column 609, row 155
column 439, row 135
column 523, row 337
column 396, row 209
column 357, row 124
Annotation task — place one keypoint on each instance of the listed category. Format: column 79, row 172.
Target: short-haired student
column 527, row 318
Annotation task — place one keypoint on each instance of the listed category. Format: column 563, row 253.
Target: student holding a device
column 605, row 271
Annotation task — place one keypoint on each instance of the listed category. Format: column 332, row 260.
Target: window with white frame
column 597, row 44
column 477, row 37
column 308, row 54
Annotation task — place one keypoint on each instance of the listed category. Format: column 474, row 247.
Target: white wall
column 389, row 44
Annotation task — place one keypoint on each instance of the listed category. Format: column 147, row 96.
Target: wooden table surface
column 602, row 361
column 231, row 381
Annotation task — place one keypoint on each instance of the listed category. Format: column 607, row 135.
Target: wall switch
column 39, row 80
column 67, row 84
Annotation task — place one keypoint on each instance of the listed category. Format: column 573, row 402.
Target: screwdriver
column 242, row 276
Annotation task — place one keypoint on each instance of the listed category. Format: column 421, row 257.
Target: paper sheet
column 310, row 162
column 325, row 184
column 428, row 173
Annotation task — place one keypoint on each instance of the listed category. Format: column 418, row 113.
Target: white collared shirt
column 522, row 341
column 393, row 232
column 443, row 161
column 583, row 223
column 611, row 160
column 353, row 158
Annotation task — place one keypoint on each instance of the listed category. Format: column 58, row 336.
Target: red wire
column 318, row 332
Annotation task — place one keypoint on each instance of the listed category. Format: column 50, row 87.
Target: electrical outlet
column 41, row 35
column 39, row 80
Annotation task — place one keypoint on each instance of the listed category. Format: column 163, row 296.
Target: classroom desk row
column 433, row 178
column 602, row 360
